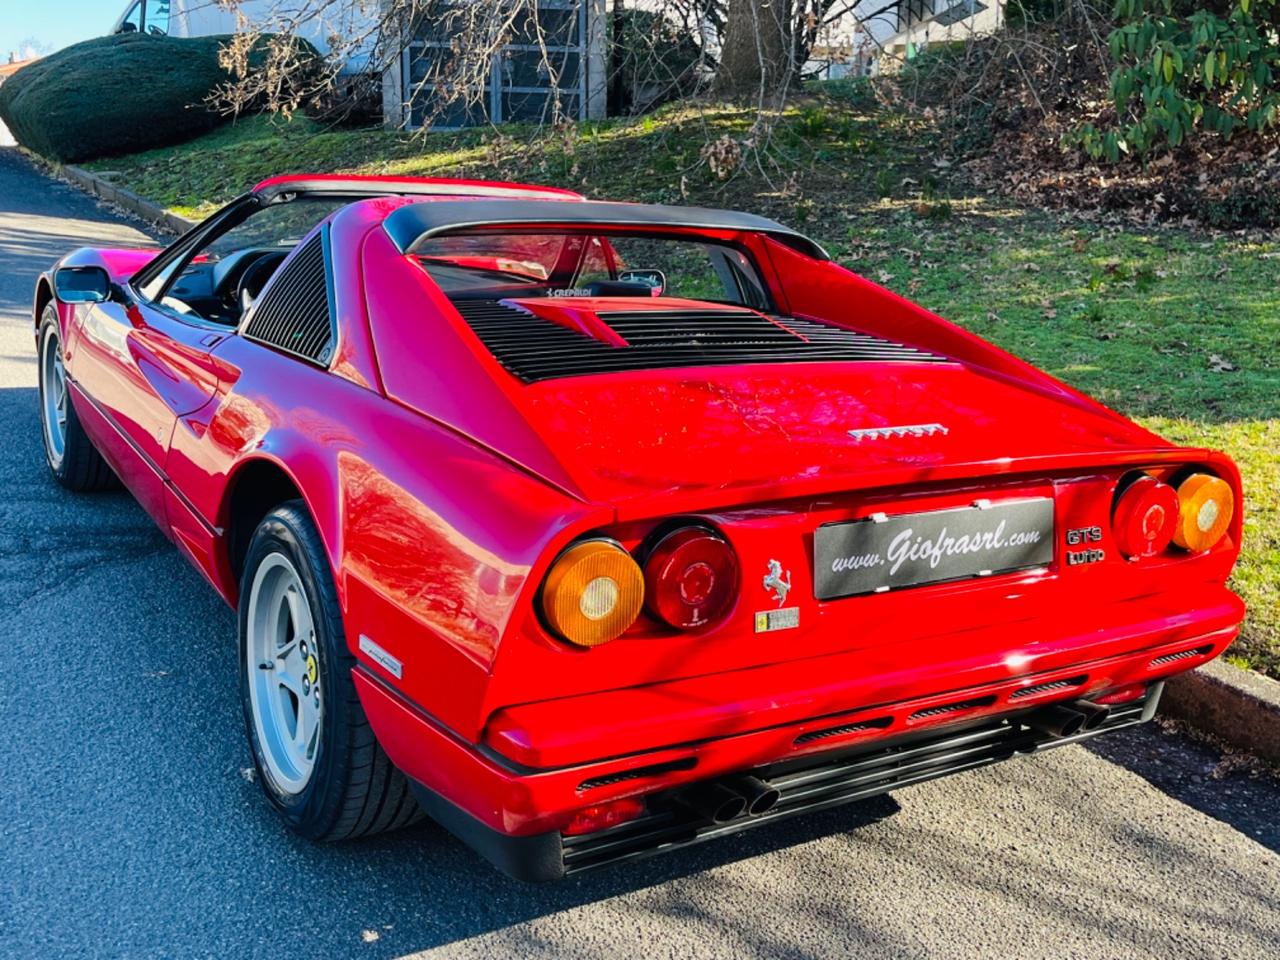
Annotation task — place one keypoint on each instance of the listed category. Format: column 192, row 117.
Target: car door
column 142, row 367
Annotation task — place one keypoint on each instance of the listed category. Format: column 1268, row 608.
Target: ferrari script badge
column 911, row 430
column 775, row 582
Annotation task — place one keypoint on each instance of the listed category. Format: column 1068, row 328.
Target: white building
column 205, row 18
column 519, row 86
column 879, row 35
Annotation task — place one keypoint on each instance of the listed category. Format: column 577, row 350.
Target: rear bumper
column 897, row 687
column 477, row 784
column 806, row 784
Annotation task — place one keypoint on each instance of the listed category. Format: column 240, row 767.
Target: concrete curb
column 126, row 199
column 1237, row 706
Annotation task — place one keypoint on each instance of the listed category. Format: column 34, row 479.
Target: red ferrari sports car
column 599, row 529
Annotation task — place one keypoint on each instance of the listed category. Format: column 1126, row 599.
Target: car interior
column 219, row 280
column 492, row 266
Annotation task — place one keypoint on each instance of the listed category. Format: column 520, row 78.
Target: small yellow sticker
column 313, row 668
column 785, row 619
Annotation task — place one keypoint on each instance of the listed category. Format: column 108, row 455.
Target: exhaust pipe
column 1095, row 715
column 759, row 795
column 713, row 801
column 1056, row 720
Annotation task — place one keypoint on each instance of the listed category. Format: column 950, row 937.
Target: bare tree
column 756, row 54
column 656, row 48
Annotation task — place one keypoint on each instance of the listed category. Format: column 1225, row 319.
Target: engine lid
column 718, row 432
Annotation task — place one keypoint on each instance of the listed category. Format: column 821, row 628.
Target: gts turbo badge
column 774, row 581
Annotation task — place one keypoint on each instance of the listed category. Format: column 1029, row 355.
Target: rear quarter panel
column 431, row 539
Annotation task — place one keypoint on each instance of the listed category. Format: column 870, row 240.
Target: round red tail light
column 690, row 578
column 1145, row 517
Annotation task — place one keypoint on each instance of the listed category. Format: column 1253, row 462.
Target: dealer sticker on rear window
column 784, row 619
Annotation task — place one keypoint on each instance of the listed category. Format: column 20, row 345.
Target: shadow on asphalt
column 1200, row 777
column 161, row 797
column 183, row 816
column 31, row 247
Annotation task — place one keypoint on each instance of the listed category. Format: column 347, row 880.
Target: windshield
column 496, row 265
column 219, row 278
column 278, row 226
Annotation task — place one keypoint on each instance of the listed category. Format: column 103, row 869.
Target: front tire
column 73, row 460
column 313, row 750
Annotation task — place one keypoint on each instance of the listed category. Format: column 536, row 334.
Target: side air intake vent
column 1052, row 685
column 861, row 726
column 537, row 349
column 956, row 707
column 294, row 313
column 1180, row 655
column 638, row 773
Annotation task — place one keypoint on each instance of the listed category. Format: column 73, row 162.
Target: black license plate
column 912, row 549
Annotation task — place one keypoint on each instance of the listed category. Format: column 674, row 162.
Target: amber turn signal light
column 1144, row 518
column 1205, row 508
column 592, row 593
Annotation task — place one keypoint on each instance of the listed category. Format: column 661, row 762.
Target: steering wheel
column 255, row 277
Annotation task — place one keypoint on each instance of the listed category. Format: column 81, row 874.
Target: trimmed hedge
column 113, row 95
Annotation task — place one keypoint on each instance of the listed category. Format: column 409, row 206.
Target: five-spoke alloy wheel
column 284, row 681
column 72, row 458
column 313, row 749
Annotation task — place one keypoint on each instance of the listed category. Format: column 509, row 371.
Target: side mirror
column 82, row 284
column 655, row 280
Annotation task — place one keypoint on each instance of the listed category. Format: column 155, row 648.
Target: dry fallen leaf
column 1219, row 365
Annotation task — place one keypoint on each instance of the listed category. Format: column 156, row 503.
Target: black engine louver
column 536, row 349
column 294, row 313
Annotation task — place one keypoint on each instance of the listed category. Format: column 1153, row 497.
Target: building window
column 961, row 10
column 521, row 86
column 156, row 20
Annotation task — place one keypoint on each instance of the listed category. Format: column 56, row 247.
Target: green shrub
column 855, row 91
column 1185, row 67
column 114, row 95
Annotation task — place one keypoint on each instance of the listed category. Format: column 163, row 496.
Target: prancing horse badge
column 774, row 581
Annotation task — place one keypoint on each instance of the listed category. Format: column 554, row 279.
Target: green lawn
column 1177, row 329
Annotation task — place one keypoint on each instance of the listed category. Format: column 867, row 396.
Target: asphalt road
column 128, row 828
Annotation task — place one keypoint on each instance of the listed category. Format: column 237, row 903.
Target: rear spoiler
column 410, row 226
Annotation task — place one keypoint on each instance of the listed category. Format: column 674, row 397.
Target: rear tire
column 313, row 750
column 73, row 460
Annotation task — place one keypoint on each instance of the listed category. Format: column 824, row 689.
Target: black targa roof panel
column 414, row 223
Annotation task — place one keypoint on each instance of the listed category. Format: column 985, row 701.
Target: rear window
column 493, row 266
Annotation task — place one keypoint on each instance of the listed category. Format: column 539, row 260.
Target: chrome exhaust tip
column 760, row 797
column 713, row 801
column 1095, row 715
column 1056, row 720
